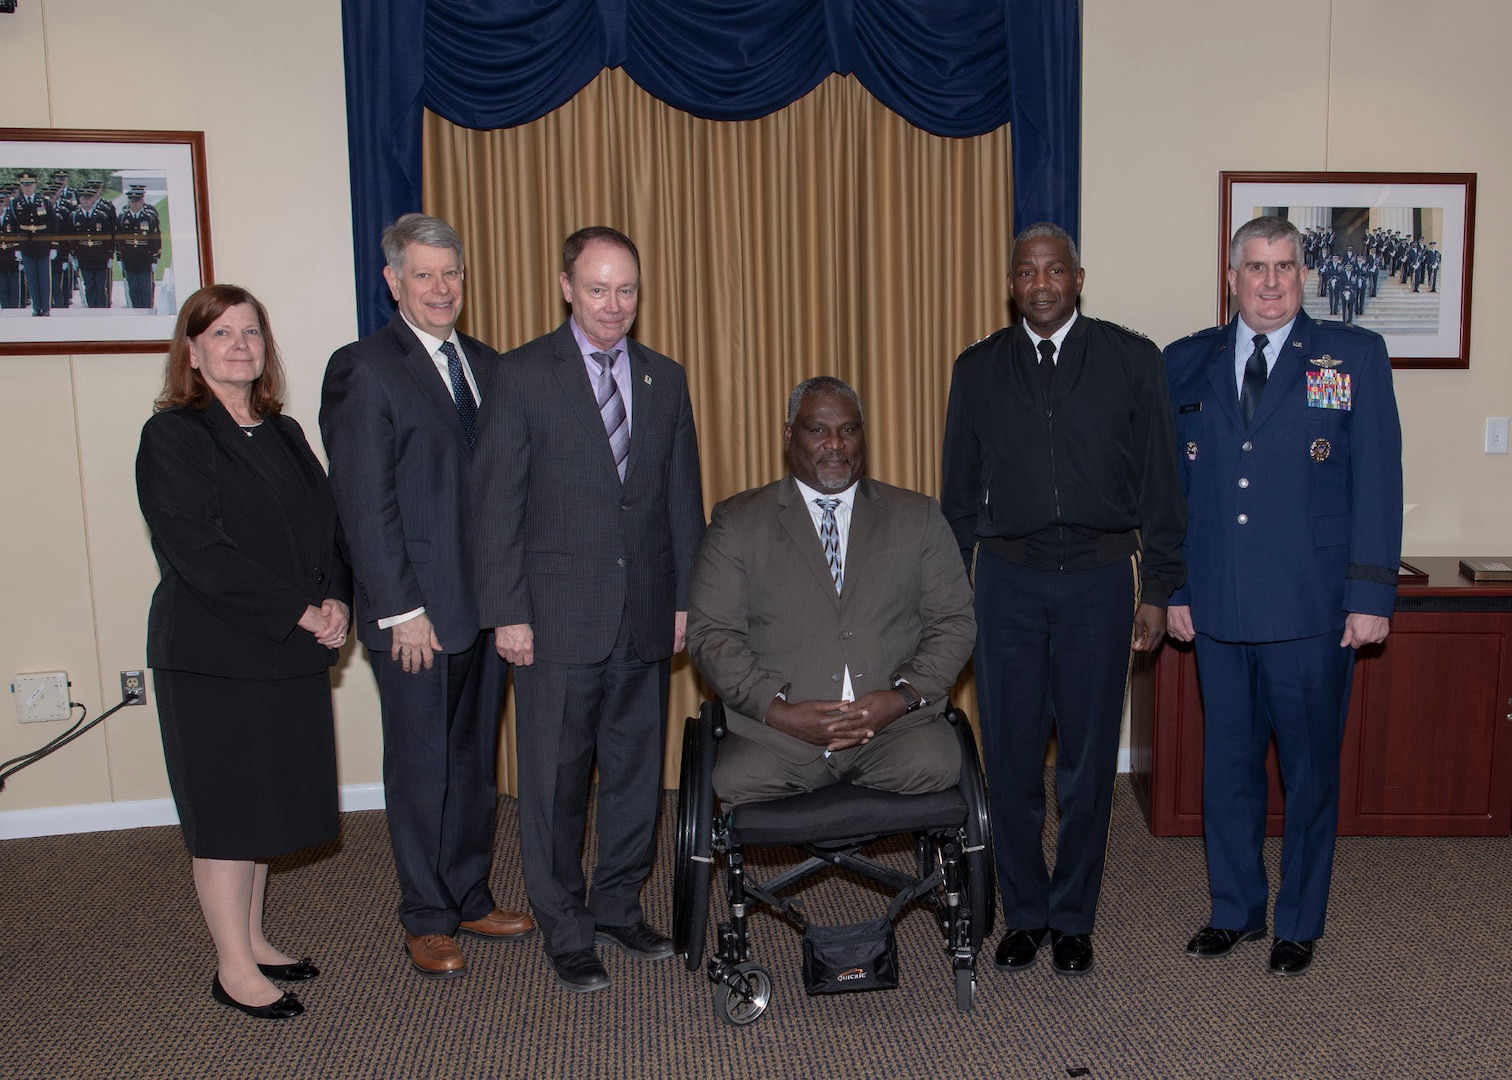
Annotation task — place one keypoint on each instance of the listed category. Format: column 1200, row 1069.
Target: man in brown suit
column 831, row 614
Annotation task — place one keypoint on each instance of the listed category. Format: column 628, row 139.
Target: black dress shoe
column 1211, row 943
column 1291, row 957
column 579, row 971
column 282, row 1009
column 1070, row 954
column 637, row 939
column 290, row 972
column 1018, row 948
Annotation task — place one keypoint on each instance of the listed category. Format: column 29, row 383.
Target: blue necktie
column 467, row 405
column 829, row 533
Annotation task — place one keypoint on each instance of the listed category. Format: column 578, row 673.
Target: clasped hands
column 836, row 725
column 328, row 622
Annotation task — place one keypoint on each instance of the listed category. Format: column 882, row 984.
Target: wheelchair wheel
column 981, row 870
column 744, row 995
column 965, row 987
column 695, row 832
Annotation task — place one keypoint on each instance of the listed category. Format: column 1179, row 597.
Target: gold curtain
column 831, row 237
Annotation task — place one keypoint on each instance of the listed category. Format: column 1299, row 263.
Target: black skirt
column 252, row 763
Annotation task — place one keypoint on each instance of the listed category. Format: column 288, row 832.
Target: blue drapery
column 951, row 67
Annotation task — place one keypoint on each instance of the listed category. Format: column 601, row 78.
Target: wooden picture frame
column 156, row 188
column 1420, row 301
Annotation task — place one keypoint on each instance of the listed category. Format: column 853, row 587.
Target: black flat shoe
column 1018, row 949
column 1291, row 957
column 282, row 1009
column 1071, row 954
column 637, row 939
column 298, row 972
column 1211, row 943
column 579, row 971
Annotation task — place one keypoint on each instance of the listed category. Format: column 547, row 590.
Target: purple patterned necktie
column 612, row 410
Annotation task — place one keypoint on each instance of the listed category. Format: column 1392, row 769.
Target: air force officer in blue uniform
column 1291, row 457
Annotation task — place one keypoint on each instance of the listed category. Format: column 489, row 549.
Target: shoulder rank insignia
column 1326, row 361
column 1319, row 449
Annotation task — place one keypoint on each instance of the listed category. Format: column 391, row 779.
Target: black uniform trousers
column 1052, row 648
column 566, row 712
column 440, row 742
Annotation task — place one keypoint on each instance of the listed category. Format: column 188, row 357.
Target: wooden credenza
column 1428, row 741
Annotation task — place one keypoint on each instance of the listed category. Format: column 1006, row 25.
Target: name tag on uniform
column 1329, row 389
column 1195, row 406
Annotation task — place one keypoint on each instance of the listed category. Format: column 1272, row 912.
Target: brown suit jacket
column 763, row 612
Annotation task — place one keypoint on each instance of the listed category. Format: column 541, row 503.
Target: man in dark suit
column 1292, row 462
column 590, row 510
column 398, row 415
column 831, row 614
column 1060, row 477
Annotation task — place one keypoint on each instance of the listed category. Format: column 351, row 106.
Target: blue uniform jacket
column 1297, row 521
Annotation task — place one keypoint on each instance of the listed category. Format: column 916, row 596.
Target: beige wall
column 1166, row 108
column 265, row 84
column 1164, row 112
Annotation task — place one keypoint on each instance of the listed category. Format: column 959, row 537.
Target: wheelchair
column 832, row 825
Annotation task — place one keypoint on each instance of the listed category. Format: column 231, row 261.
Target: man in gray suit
column 590, row 511
column 831, row 613
column 397, row 414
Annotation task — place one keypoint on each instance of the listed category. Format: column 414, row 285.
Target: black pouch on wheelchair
column 843, row 959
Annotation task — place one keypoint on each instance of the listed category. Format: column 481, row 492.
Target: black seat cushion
column 843, row 814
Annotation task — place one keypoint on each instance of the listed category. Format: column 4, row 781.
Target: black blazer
column 562, row 543
column 237, row 573
column 399, row 472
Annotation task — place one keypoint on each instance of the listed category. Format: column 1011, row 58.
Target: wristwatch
column 912, row 699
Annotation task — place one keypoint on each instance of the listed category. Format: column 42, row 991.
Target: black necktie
column 467, row 405
column 1047, row 366
column 1254, row 380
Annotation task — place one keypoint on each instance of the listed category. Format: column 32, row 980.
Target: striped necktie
column 612, row 410
column 829, row 533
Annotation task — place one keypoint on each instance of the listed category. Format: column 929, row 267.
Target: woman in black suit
column 248, row 617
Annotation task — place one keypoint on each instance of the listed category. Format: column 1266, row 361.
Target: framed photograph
column 1391, row 252
column 102, row 236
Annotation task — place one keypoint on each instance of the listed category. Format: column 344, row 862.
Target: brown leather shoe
column 435, row 956
column 500, row 924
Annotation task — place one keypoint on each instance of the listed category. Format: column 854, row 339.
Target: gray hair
column 821, row 384
column 1270, row 229
column 418, row 229
column 1055, row 232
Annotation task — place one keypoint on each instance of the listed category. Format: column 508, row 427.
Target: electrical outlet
column 41, row 696
column 133, row 688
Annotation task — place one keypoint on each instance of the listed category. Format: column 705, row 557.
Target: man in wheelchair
column 831, row 614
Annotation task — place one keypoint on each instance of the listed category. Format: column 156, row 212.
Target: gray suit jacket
column 764, row 614
column 399, row 472
column 562, row 544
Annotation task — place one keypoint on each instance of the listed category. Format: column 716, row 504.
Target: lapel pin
column 647, row 378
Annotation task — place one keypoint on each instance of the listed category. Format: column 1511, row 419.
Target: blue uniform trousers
column 1299, row 691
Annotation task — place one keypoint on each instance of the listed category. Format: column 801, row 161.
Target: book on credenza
column 1494, row 568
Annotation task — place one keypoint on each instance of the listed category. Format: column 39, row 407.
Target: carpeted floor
column 105, row 969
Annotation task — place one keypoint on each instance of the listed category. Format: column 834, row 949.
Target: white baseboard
column 144, row 813
column 138, row 814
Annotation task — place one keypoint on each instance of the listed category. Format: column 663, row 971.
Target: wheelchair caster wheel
column 965, row 987
column 743, row 995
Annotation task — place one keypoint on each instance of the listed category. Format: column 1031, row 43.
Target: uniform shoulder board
column 983, row 340
column 1131, row 330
